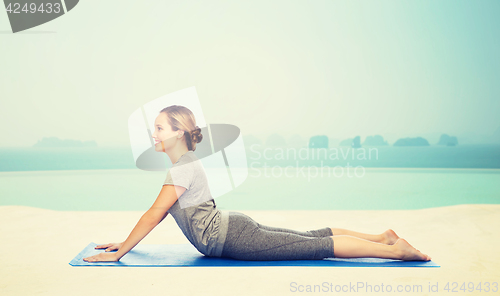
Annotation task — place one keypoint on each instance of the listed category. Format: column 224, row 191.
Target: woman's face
column 163, row 135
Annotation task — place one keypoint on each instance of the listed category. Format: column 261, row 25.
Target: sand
column 37, row 245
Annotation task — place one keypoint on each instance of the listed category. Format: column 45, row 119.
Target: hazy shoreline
column 99, row 158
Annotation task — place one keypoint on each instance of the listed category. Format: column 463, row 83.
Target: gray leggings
column 249, row 240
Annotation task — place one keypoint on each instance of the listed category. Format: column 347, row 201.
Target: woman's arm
column 158, row 211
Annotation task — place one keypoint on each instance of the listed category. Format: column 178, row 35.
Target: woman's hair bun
column 196, row 135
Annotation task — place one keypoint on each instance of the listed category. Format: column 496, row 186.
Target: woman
column 185, row 195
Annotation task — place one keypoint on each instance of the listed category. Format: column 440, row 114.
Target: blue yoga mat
column 186, row 255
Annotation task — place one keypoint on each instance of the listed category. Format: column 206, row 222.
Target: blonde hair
column 181, row 118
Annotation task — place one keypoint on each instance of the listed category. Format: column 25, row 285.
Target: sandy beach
column 37, row 245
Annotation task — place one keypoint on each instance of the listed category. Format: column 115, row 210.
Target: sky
column 335, row 68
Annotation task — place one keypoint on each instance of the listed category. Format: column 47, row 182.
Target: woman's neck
column 175, row 154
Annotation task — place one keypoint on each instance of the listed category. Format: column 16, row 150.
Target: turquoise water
column 85, row 158
column 264, row 189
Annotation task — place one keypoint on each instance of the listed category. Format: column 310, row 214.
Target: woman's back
column 195, row 211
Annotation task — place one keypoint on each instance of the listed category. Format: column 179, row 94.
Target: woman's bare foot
column 389, row 237
column 406, row 252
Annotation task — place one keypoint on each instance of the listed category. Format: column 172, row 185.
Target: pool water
column 264, row 189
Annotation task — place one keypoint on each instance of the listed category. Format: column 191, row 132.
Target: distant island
column 53, row 142
column 447, row 140
column 354, row 143
column 376, row 140
column 418, row 141
column 324, row 141
column 318, row 142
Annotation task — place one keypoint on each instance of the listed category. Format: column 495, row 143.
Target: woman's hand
column 109, row 247
column 102, row 257
column 158, row 211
